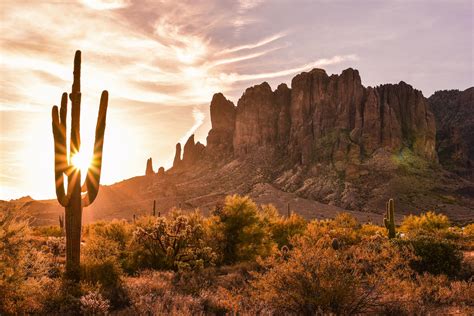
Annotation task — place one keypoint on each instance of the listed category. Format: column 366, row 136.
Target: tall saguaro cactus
column 389, row 219
column 72, row 199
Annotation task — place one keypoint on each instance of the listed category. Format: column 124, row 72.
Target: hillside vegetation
column 242, row 259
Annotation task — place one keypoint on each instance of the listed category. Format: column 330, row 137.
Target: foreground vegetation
column 244, row 259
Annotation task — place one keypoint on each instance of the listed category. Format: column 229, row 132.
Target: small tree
column 240, row 231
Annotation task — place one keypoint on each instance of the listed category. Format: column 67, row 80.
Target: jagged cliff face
column 327, row 139
column 323, row 118
column 454, row 113
column 219, row 139
column 332, row 120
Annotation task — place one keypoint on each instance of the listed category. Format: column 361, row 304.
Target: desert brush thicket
column 242, row 259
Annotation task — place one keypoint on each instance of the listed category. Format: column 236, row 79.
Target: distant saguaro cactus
column 389, row 219
column 61, row 223
column 154, row 207
column 72, row 201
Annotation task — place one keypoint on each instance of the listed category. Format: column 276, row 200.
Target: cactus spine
column 72, row 200
column 389, row 219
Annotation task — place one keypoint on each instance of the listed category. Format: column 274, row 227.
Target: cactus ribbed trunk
column 389, row 219
column 73, row 228
column 72, row 200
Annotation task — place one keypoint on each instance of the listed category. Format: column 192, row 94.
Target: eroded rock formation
column 192, row 151
column 327, row 138
column 177, row 156
column 327, row 119
column 219, row 139
column 149, row 167
column 321, row 119
column 454, row 113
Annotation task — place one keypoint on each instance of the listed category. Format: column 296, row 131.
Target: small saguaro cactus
column 154, row 207
column 61, row 223
column 389, row 219
column 72, row 199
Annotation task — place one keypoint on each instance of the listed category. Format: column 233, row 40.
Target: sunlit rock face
column 149, row 167
column 454, row 113
column 333, row 120
column 177, row 156
column 327, row 138
column 219, row 139
column 325, row 119
column 192, row 152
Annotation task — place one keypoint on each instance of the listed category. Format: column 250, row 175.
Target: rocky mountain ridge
column 332, row 140
column 320, row 119
column 454, row 114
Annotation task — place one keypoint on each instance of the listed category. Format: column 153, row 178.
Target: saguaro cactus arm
column 94, row 171
column 60, row 150
column 75, row 96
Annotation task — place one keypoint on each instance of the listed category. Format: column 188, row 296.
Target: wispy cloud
column 149, row 55
column 258, row 44
column 198, row 117
column 234, row 77
column 106, row 4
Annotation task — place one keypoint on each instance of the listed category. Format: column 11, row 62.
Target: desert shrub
column 93, row 303
column 467, row 240
column 427, row 294
column 48, row 231
column 435, row 255
column 176, row 242
column 316, row 279
column 344, row 227
column 428, row 223
column 282, row 228
column 372, row 230
column 23, row 269
column 118, row 231
column 239, row 231
column 468, row 231
column 100, row 266
column 152, row 294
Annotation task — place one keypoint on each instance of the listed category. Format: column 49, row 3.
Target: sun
column 81, row 161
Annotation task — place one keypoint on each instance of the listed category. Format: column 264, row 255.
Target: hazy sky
column 162, row 61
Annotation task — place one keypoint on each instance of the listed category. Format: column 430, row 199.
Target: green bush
column 344, row 227
column 23, row 269
column 282, row 228
column 118, row 231
column 175, row 242
column 435, row 256
column 239, row 231
column 428, row 223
